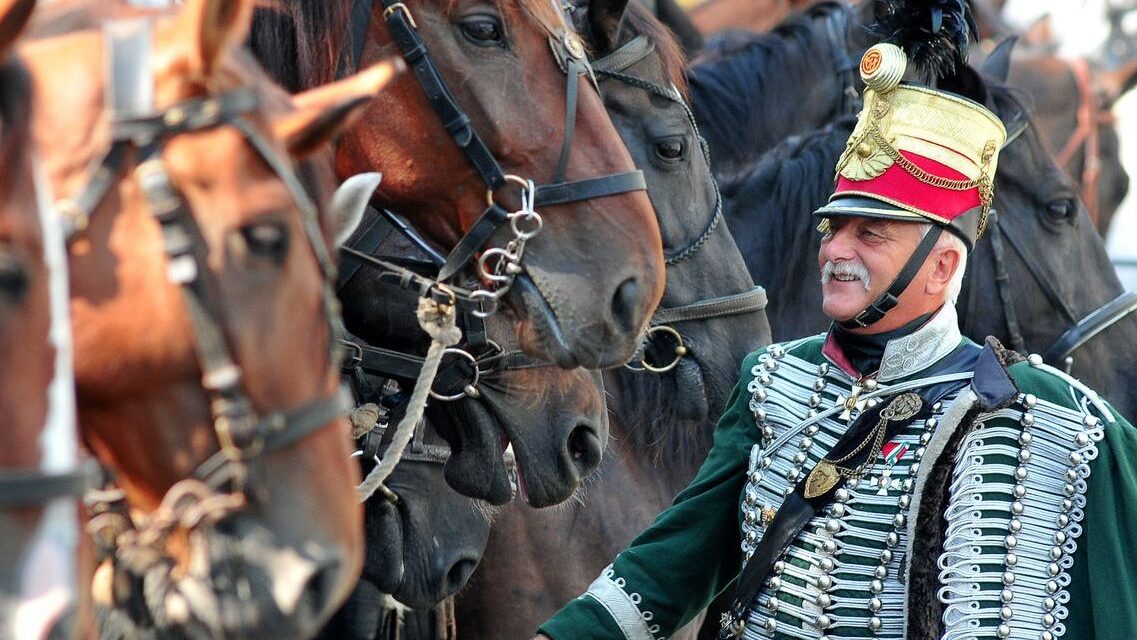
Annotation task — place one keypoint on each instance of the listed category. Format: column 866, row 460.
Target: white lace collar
column 923, row 347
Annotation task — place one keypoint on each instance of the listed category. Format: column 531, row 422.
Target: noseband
column 219, row 485
column 497, row 266
column 614, row 67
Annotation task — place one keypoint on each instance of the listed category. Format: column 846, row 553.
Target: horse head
column 205, row 355
column 489, row 395
column 40, row 483
column 640, row 68
column 506, row 62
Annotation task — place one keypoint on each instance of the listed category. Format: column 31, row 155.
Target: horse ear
column 604, row 24
column 998, row 64
column 212, row 27
column 14, row 15
column 321, row 113
column 350, row 201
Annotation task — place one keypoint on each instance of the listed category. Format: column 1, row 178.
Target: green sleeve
column 688, row 555
column 1103, row 591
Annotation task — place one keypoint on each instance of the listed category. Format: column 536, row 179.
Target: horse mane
column 738, row 72
column 15, row 117
column 639, row 21
column 301, row 43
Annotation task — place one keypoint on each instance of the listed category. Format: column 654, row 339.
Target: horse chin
column 691, row 404
column 555, row 449
column 475, row 467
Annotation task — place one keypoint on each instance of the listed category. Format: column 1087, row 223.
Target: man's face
column 855, row 247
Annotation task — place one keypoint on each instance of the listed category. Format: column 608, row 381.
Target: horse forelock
column 639, row 21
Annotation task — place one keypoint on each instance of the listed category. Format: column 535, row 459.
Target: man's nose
column 839, row 246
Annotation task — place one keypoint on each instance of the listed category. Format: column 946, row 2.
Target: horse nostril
column 585, row 448
column 457, row 576
column 321, row 585
column 625, row 304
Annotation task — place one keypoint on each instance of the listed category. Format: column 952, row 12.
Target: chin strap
column 887, row 300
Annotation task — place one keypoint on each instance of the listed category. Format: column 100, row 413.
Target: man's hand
column 541, row 636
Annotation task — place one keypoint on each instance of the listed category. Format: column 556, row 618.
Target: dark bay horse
column 40, row 577
column 424, row 540
column 205, row 326
column 661, row 423
column 554, row 419
column 1044, row 250
column 1054, row 307
column 588, row 281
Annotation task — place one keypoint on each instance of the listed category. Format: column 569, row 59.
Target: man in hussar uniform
column 890, row 478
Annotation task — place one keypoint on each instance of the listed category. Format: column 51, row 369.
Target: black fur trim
column 925, row 611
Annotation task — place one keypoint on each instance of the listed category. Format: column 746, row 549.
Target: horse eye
column 267, row 240
column 671, row 149
column 1062, row 210
column 482, row 30
column 13, row 279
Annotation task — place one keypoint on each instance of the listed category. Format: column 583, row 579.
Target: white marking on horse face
column 49, row 572
column 59, row 442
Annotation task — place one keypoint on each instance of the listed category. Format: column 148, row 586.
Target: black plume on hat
column 933, row 33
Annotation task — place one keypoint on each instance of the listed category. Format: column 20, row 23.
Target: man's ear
column 945, row 262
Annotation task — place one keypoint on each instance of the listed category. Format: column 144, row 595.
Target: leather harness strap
column 458, row 124
column 1087, row 136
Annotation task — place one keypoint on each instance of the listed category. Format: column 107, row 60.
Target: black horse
column 661, row 423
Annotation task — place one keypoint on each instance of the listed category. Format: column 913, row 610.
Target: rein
column 614, row 67
column 1086, row 137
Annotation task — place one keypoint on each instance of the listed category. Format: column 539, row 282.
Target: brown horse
column 661, row 423
column 205, row 368
column 589, row 280
column 1072, row 102
column 39, row 483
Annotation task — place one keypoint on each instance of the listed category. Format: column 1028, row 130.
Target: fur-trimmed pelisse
column 934, row 33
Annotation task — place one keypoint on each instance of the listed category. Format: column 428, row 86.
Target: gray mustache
column 847, row 269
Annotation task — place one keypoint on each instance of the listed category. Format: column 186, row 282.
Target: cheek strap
column 887, row 300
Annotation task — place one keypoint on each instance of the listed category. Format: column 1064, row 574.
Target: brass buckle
column 406, row 12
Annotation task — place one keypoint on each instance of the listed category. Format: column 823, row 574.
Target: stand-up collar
column 906, row 351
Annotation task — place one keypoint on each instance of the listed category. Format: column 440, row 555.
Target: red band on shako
column 899, row 186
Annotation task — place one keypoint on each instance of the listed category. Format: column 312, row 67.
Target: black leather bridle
column 570, row 56
column 615, row 66
column 1081, row 330
column 141, row 133
column 29, row 487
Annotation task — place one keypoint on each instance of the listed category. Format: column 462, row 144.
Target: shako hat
column 917, row 153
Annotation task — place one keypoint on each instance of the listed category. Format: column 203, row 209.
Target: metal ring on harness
column 680, row 350
column 509, row 177
column 470, row 390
